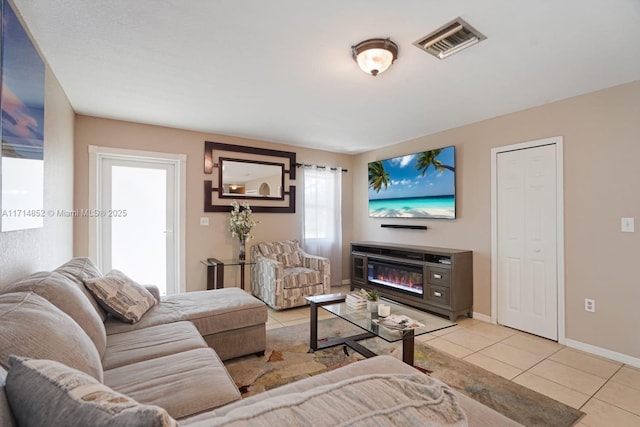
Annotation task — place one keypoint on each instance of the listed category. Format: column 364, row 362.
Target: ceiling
column 281, row 70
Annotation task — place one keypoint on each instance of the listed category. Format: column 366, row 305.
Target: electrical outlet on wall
column 590, row 305
column 627, row 225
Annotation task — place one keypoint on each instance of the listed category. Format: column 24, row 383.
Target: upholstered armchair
column 283, row 274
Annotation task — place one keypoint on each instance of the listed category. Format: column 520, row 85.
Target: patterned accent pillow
column 38, row 390
column 267, row 248
column 121, row 296
column 291, row 260
column 275, row 257
column 289, row 246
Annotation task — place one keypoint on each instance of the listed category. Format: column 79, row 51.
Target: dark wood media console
column 433, row 279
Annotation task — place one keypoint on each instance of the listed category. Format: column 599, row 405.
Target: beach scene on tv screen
column 420, row 185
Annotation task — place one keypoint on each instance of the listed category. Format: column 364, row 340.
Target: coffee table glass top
column 364, row 319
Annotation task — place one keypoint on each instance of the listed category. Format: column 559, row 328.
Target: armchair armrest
column 314, row 262
column 269, row 267
column 321, row 264
column 267, row 276
column 155, row 291
column 267, row 262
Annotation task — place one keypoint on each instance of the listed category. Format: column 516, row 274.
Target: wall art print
column 22, row 127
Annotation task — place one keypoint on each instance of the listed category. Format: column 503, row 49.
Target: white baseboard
column 603, row 352
column 482, row 317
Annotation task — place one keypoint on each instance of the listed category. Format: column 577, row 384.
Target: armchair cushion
column 300, row 277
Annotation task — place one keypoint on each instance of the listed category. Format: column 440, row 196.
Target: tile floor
column 607, row 391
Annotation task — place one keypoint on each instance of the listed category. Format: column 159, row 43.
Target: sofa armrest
column 155, row 291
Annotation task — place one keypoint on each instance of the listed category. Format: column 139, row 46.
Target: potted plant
column 372, row 299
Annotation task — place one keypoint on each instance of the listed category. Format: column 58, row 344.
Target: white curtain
column 322, row 216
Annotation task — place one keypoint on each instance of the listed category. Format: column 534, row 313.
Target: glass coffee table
column 362, row 318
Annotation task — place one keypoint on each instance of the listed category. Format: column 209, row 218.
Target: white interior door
column 139, row 198
column 527, row 255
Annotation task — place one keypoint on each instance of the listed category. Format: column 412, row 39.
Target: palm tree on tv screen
column 378, row 176
column 428, row 158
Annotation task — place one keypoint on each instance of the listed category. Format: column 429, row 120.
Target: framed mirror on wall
column 260, row 176
column 242, row 178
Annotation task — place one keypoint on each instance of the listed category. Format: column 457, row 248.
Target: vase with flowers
column 240, row 225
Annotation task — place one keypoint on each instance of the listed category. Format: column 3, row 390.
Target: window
column 322, row 216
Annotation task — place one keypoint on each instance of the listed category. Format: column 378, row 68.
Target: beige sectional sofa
column 162, row 367
column 171, row 358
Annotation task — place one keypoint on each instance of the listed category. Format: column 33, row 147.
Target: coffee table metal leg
column 313, row 328
column 408, row 347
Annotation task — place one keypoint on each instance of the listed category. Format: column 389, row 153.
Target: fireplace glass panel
column 399, row 276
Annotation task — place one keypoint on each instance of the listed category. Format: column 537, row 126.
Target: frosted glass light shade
column 374, row 56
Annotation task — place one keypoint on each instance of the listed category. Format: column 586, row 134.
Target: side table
column 215, row 271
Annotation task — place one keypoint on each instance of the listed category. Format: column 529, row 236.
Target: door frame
column 179, row 161
column 557, row 141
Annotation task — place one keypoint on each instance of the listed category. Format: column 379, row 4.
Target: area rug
column 286, row 359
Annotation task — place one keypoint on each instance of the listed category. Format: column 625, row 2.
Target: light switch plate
column 627, row 225
column 204, row 220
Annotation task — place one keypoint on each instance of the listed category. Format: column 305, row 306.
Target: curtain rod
column 303, row 165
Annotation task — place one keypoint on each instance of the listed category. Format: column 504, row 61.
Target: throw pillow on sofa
column 121, row 296
column 48, row 393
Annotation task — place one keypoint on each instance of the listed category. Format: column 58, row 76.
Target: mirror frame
column 214, row 151
column 224, row 195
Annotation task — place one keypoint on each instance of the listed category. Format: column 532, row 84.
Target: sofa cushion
column 299, row 277
column 148, row 343
column 376, row 399
column 79, row 269
column 6, row 417
column 211, row 312
column 38, row 389
column 184, row 384
column 121, row 296
column 62, row 292
column 31, row 326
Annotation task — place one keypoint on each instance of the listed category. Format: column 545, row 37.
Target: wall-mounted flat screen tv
column 420, row 185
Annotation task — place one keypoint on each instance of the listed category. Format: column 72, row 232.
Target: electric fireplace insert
column 396, row 275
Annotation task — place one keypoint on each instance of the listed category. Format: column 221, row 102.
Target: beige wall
column 602, row 184
column 201, row 242
column 26, row 251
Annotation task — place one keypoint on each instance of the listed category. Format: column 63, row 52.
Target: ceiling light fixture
column 374, row 56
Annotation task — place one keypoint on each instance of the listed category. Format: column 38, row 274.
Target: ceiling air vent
column 450, row 38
